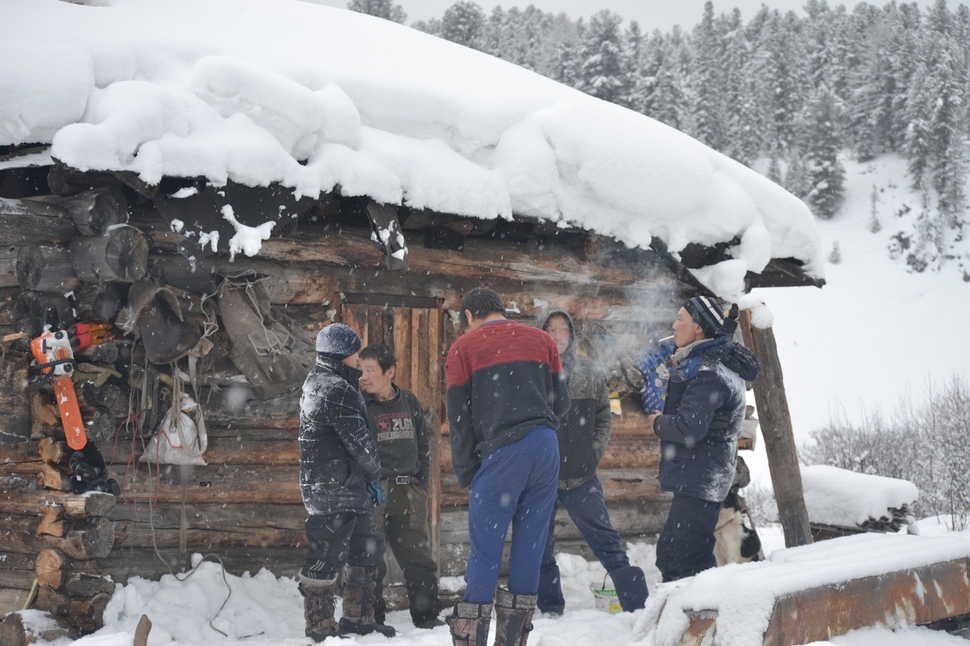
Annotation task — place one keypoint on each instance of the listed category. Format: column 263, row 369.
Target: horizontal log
column 46, row 269
column 237, row 446
column 222, row 410
column 229, row 484
column 211, row 526
column 31, row 501
column 84, row 539
column 19, row 211
column 126, row 562
column 120, row 254
column 623, row 452
column 18, row 570
column 11, row 600
column 92, row 211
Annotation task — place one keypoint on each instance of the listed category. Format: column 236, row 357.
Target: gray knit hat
column 337, row 341
column 708, row 314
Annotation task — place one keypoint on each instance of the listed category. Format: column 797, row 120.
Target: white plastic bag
column 177, row 441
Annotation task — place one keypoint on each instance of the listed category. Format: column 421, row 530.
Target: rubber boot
column 513, row 617
column 358, row 616
column 469, row 624
column 631, row 587
column 318, row 604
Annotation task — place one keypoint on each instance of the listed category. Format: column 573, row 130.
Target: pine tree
column 825, row 172
column 602, row 58
column 779, row 66
column 562, row 61
column 706, row 83
column 661, row 94
column 742, row 117
column 385, row 9
column 464, row 23
column 947, row 88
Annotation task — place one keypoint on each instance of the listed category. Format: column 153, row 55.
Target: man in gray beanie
column 339, row 472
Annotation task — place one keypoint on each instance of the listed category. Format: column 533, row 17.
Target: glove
column 376, row 492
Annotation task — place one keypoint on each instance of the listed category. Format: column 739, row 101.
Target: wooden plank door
column 415, row 334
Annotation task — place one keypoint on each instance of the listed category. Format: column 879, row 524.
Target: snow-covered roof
column 311, row 97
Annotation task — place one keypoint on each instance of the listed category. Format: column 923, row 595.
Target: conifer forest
column 796, row 93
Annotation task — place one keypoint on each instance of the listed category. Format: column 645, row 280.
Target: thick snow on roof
column 845, row 498
column 261, row 91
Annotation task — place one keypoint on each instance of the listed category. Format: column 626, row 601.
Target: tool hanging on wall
column 54, row 353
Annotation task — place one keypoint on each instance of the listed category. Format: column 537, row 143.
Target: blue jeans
column 587, row 508
column 686, row 542
column 515, row 485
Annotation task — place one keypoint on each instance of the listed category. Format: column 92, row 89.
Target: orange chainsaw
column 55, row 360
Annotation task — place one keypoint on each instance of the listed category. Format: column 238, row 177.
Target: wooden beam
column 776, row 428
column 894, row 599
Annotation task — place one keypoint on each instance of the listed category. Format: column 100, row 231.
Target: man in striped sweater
column 506, row 394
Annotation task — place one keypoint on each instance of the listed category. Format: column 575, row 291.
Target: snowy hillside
column 876, row 333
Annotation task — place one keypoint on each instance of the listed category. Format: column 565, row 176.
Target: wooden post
column 776, row 428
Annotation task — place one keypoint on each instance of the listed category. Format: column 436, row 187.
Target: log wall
column 244, row 505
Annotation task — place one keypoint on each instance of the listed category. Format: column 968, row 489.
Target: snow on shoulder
column 312, row 97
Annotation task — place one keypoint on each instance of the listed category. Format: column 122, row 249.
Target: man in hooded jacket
column 584, row 433
column 699, row 428
column 339, row 472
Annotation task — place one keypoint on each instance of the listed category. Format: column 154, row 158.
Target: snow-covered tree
column 659, row 93
column 464, row 23
column 602, row 71
column 823, row 142
column 386, row 9
column 706, row 85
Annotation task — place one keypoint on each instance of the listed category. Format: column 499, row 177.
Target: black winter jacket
column 338, row 455
column 702, row 419
column 584, row 432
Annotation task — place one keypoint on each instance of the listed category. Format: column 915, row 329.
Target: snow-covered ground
column 204, row 606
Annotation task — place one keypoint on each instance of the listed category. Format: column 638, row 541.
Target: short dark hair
column 382, row 352
column 481, row 302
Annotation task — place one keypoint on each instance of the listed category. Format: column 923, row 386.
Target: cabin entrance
column 412, row 326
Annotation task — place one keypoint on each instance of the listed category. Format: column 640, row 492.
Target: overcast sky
column 651, row 14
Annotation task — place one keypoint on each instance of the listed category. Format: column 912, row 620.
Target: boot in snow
column 631, row 587
column 318, row 606
column 358, row 616
column 469, row 624
column 513, row 617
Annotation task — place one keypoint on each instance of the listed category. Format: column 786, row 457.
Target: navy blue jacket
column 338, row 455
column 702, row 419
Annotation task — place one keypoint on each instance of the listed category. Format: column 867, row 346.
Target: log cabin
column 134, row 242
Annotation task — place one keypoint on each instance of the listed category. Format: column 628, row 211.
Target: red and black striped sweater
column 504, row 379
